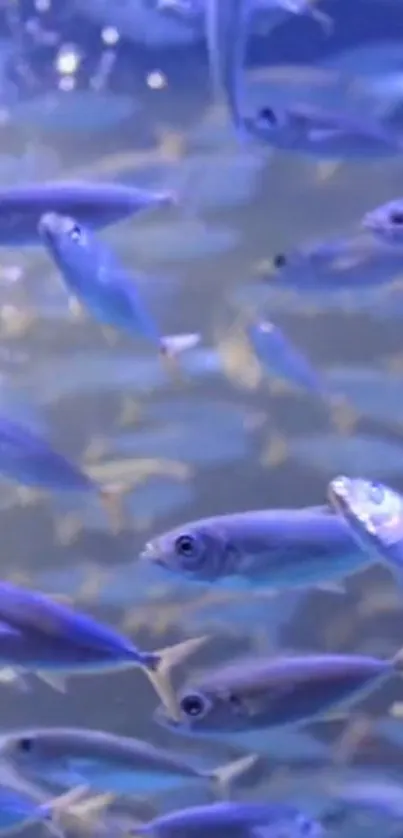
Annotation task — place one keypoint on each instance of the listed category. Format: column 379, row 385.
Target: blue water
column 94, row 91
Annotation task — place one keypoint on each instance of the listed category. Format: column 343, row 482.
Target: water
column 135, row 115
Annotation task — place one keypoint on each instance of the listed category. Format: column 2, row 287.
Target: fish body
column 313, row 130
column 253, row 694
column 96, row 205
column 103, row 761
column 374, row 514
column 240, row 820
column 277, row 355
column 31, row 461
column 350, row 263
column 386, row 222
column 279, row 548
column 46, row 637
column 94, row 276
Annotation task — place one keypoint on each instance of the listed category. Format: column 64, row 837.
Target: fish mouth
column 49, row 225
column 339, row 493
column 369, row 222
column 149, row 553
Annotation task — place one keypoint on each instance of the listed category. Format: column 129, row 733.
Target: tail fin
column 223, row 776
column 54, row 811
column 112, row 500
column 159, row 665
column 343, row 415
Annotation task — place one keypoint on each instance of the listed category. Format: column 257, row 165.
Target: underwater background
column 92, row 89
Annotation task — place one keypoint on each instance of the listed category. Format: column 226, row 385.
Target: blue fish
column 347, row 263
column 240, row 820
column 63, row 756
column 374, row 514
column 27, row 459
column 94, row 204
column 278, row 548
column 386, row 222
column 255, row 694
column 278, row 355
column 46, row 637
column 96, row 279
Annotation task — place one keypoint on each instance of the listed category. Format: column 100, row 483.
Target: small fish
column 374, row 514
column 94, row 204
column 278, row 355
column 314, row 130
column 46, row 637
column 227, row 23
column 30, row 461
column 331, row 267
column 105, row 762
column 18, row 809
column 240, row 820
column 279, row 548
column 96, row 279
column 386, row 222
column 254, row 694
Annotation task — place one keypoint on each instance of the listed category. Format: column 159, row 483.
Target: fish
column 261, row 693
column 95, row 204
column 278, row 548
column 106, row 762
column 29, row 460
column 41, row 635
column 346, row 263
column 314, row 130
column 277, row 354
column 374, row 514
column 240, row 820
column 96, row 279
column 386, row 222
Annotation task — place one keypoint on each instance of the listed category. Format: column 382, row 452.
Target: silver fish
column 374, row 514
column 279, row 548
column 238, row 820
column 104, row 761
column 253, row 694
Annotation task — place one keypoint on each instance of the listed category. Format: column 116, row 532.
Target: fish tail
column 324, row 20
column 343, row 415
column 54, row 811
column 112, row 500
column 159, row 665
column 397, row 661
column 223, row 776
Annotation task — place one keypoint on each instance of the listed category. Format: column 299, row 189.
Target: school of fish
column 73, row 777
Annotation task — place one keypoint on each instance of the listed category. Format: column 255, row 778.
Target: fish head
column 267, row 124
column 385, row 222
column 69, row 243
column 373, row 511
column 201, row 712
column 226, row 699
column 30, row 752
column 200, row 551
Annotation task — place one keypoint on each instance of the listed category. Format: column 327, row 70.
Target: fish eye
column 267, row 115
column 185, row 545
column 25, row 744
column 279, row 260
column 376, row 493
column 75, row 233
column 193, row 705
column 396, row 217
